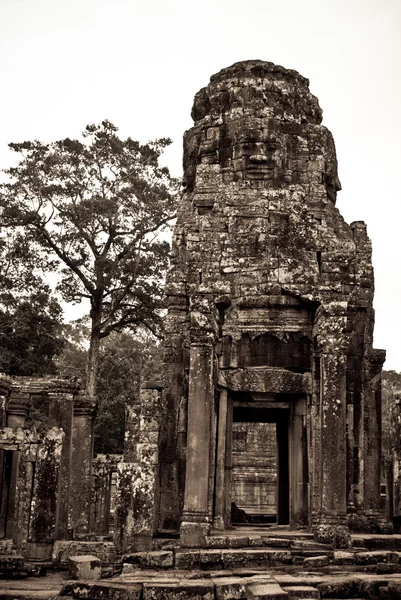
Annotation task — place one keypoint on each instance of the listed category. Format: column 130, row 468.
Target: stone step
column 295, row 592
column 265, row 591
column 105, row 590
column 29, row 595
column 195, row 589
column 222, row 558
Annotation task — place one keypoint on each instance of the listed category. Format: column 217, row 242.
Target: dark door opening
column 260, row 465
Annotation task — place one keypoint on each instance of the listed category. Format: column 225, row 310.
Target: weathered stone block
column 217, row 541
column 6, row 546
column 84, row 567
column 265, row 591
column 340, row 588
column 189, row 559
column 230, row 588
column 343, row 558
column 314, row 562
column 104, row 591
column 296, row 592
column 180, row 590
column 11, row 562
column 210, row 558
column 63, row 549
column 375, row 556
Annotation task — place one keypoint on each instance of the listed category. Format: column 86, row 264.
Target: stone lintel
column 40, row 385
column 265, row 380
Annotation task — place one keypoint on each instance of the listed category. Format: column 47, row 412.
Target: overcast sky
column 138, row 63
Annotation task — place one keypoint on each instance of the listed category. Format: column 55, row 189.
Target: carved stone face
column 255, row 157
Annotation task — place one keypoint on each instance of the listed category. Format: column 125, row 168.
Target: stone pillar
column 298, row 465
column 333, row 515
column 81, row 463
column 196, row 518
column 17, row 412
column 137, row 479
column 46, row 492
column 330, row 326
column 61, row 410
column 219, row 502
column 372, row 436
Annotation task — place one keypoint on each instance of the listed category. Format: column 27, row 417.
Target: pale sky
column 138, row 63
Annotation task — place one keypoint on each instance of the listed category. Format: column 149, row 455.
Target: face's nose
column 259, row 154
column 258, row 158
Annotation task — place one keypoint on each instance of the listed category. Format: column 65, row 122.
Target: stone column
column 298, row 465
column 196, row 519
column 61, row 410
column 46, row 492
column 219, row 503
column 372, row 436
column 331, row 322
column 81, row 463
column 137, row 478
column 17, row 412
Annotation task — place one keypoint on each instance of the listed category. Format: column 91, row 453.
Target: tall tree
column 96, row 208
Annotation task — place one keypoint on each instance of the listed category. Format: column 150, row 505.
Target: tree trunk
column 93, row 356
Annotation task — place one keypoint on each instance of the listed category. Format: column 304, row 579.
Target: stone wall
column 254, row 477
column 46, row 451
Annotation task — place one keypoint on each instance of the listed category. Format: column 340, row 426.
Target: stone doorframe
column 292, row 480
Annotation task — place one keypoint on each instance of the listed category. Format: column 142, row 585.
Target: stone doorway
column 260, row 465
column 8, row 468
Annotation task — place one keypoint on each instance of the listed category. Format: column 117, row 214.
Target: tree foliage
column 30, row 316
column 124, row 361
column 94, row 210
column 30, row 335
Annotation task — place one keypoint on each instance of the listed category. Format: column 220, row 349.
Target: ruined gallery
column 269, row 412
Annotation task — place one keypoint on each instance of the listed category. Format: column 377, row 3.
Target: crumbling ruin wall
column 266, row 275
column 46, row 451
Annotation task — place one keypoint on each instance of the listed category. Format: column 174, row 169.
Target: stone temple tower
column 270, row 316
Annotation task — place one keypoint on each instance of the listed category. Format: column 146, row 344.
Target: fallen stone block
column 230, row 588
column 343, row 558
column 315, row 562
column 84, row 567
column 180, row 590
column 265, row 591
